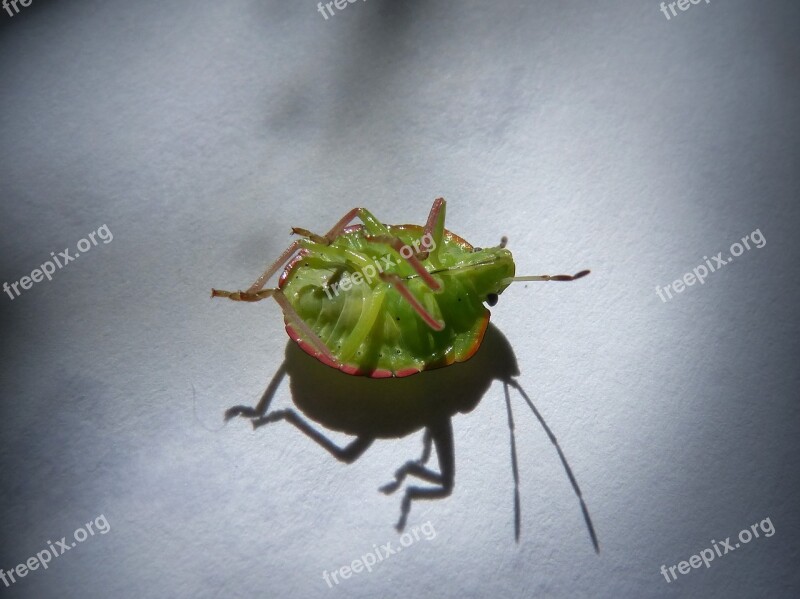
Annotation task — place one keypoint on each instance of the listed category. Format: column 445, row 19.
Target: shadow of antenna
column 587, row 518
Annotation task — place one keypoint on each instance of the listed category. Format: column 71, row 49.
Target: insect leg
column 334, row 254
column 348, row 454
column 371, row 224
column 434, row 228
column 371, row 306
column 274, row 267
column 403, row 289
column 312, row 236
column 301, row 327
column 397, row 245
column 442, row 433
column 243, row 296
column 289, row 313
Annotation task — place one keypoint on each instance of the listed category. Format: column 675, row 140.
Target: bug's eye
column 491, row 299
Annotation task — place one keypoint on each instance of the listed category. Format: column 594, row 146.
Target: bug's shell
column 389, row 349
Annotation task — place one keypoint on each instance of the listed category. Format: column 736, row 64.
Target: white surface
column 593, row 135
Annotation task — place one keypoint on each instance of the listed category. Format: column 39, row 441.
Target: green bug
column 387, row 300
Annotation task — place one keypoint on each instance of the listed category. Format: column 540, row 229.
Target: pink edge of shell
column 351, row 369
column 407, row 372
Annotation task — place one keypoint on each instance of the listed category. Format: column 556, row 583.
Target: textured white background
column 593, row 135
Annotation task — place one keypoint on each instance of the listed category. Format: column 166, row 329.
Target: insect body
column 387, row 300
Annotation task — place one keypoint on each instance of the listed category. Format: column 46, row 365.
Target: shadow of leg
column 347, row 454
column 263, row 404
column 413, row 493
column 442, row 434
column 416, row 468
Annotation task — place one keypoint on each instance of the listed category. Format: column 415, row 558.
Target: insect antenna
column 574, row 277
column 459, row 267
column 454, row 268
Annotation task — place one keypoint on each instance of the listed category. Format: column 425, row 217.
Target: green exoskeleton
column 388, row 300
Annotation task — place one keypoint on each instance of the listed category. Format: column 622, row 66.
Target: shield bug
column 387, row 300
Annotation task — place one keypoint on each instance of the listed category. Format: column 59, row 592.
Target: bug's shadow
column 371, row 409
